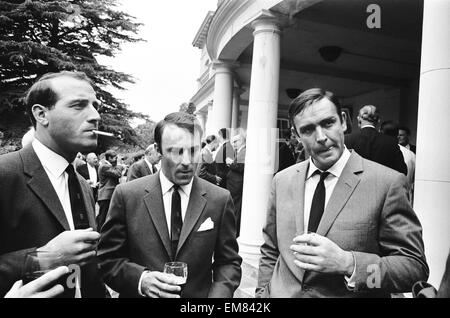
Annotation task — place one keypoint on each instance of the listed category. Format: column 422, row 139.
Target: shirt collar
column 52, row 162
column 335, row 169
column 166, row 185
column 223, row 143
column 149, row 164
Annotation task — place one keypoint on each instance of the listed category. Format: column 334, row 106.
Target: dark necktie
column 79, row 215
column 176, row 221
column 318, row 202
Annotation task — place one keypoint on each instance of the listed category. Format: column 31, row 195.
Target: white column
column 223, row 96
column 208, row 125
column 201, row 116
column 235, row 111
column 432, row 183
column 261, row 135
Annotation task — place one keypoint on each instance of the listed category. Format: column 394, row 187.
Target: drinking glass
column 38, row 263
column 180, row 271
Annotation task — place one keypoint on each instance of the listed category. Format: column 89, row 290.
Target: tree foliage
column 43, row 36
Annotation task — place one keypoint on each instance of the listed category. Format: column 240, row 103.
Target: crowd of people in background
column 182, row 200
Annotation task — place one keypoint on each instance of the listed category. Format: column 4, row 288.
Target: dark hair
column 307, row 98
column 42, row 92
column 406, row 129
column 180, row 119
column 225, row 133
column 149, row 149
column 110, row 154
column 210, row 139
column 389, row 128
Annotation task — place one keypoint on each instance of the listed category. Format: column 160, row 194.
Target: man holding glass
column 44, row 204
column 171, row 216
column 362, row 238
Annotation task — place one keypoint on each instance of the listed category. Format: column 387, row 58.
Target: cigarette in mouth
column 103, row 133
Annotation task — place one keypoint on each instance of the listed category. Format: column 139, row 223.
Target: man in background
column 224, row 151
column 371, row 144
column 235, row 176
column 109, row 174
column 89, row 171
column 390, row 128
column 207, row 167
column 403, row 137
column 145, row 166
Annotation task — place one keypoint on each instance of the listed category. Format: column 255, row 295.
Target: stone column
column 432, row 183
column 261, row 134
column 201, row 116
column 235, row 111
column 208, row 125
column 223, row 96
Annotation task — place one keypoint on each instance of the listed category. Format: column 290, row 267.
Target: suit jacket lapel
column 40, row 184
column 147, row 169
column 155, row 206
column 342, row 192
column 299, row 185
column 196, row 204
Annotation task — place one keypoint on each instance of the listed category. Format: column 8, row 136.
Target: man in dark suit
column 356, row 211
column 287, row 155
column 171, row 216
column 235, row 177
column 372, row 145
column 207, row 168
column 44, row 203
column 224, row 151
column 403, row 138
column 109, row 174
column 89, row 171
column 145, row 166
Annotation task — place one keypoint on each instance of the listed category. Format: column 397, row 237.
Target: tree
column 43, row 36
column 188, row 108
column 145, row 133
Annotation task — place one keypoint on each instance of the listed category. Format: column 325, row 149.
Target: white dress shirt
column 55, row 166
column 329, row 182
column 167, row 190
column 92, row 175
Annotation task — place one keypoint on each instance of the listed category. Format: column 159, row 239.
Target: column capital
column 221, row 66
column 266, row 21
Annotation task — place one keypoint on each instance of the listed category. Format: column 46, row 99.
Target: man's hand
column 319, row 254
column 228, row 161
column 76, row 247
column 159, row 285
column 218, row 180
column 36, row 288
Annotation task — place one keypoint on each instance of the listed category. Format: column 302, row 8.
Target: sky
column 167, row 66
